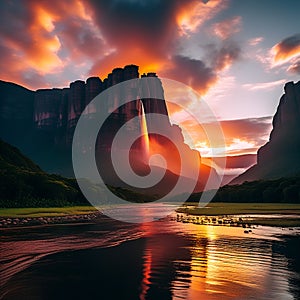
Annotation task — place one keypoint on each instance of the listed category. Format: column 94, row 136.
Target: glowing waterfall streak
column 145, row 136
column 86, row 169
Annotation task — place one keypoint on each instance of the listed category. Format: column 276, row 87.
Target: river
column 164, row 259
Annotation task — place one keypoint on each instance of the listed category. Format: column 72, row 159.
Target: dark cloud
column 139, row 32
column 146, row 33
column 202, row 74
column 146, row 24
column 80, row 39
column 289, row 43
column 34, row 79
column 46, row 37
column 193, row 72
column 225, row 55
column 15, row 19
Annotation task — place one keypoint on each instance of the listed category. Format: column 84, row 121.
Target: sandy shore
column 9, row 222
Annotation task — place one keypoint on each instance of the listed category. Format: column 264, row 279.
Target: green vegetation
column 282, row 190
column 24, row 184
column 215, row 209
column 278, row 222
column 132, row 196
column 45, row 212
column 229, row 209
column 11, row 157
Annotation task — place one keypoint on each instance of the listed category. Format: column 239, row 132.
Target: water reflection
column 158, row 260
column 216, row 263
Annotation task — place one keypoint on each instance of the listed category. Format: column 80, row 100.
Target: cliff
column 16, row 112
column 280, row 156
column 56, row 111
column 42, row 125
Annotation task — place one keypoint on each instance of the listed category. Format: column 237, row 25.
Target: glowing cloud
column 242, row 136
column 255, row 41
column 287, row 52
column 77, row 39
column 48, row 38
column 227, row 28
column 263, row 85
column 287, row 49
column 191, row 16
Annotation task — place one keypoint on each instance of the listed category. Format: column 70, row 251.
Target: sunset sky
column 236, row 54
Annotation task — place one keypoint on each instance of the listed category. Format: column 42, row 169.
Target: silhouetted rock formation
column 280, row 157
column 47, row 119
column 42, row 123
column 16, row 113
column 61, row 108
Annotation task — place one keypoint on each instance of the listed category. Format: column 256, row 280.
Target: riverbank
column 219, row 214
column 19, row 217
column 241, row 214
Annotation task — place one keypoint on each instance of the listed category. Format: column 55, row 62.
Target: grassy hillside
column 24, row 184
column 12, row 158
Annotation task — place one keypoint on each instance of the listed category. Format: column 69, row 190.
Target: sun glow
column 45, row 19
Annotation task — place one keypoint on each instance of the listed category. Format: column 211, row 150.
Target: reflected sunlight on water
column 158, row 260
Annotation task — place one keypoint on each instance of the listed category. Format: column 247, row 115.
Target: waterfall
column 145, row 136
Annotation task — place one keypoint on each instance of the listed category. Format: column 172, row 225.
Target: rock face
column 280, row 157
column 47, row 119
column 16, row 114
column 56, row 111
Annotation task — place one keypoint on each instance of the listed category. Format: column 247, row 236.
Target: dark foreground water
column 157, row 260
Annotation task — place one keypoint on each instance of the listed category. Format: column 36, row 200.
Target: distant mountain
column 241, row 161
column 235, row 164
column 280, row 157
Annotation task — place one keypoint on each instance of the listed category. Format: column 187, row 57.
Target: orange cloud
column 286, row 49
column 59, row 41
column 152, row 44
column 227, row 28
column 191, row 16
column 241, row 136
column 32, row 40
